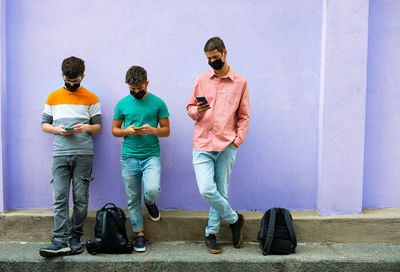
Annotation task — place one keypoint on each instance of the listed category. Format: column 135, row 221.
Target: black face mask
column 72, row 88
column 138, row 95
column 216, row 64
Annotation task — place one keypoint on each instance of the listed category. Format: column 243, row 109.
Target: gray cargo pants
column 67, row 170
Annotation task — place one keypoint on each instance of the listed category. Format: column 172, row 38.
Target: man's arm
column 194, row 109
column 162, row 131
column 243, row 118
column 81, row 128
column 94, row 126
column 118, row 132
column 47, row 121
column 46, row 127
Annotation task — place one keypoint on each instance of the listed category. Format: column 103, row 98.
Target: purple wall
column 342, row 106
column 382, row 137
column 275, row 44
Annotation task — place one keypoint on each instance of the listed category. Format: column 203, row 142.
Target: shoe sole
column 79, row 251
column 139, row 249
column 213, row 251
column 241, row 234
column 53, row 253
column 155, row 218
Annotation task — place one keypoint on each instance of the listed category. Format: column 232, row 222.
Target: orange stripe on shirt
column 80, row 97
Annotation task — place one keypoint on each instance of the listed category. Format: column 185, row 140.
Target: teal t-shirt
column 139, row 112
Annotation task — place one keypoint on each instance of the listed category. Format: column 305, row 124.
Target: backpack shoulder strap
column 103, row 231
column 289, row 224
column 271, row 232
column 262, row 233
column 119, row 224
column 103, row 227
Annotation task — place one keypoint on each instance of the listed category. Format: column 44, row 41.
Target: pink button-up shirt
column 228, row 118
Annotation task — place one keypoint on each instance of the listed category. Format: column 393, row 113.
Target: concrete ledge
column 372, row 226
column 192, row 256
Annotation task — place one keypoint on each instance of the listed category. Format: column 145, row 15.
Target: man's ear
column 83, row 76
column 147, row 83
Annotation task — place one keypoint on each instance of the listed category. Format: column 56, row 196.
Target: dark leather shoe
column 212, row 245
column 237, row 231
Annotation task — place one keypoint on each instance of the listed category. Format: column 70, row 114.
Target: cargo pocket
column 87, row 179
column 81, row 189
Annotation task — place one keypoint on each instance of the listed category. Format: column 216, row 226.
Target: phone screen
column 201, row 99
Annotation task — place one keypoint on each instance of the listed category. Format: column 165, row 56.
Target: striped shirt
column 70, row 108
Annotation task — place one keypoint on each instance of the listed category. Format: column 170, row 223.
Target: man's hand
column 130, row 131
column 60, row 130
column 201, row 108
column 80, row 128
column 146, row 130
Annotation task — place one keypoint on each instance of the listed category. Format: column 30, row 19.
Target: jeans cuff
column 147, row 203
column 137, row 228
column 60, row 239
column 232, row 219
column 206, row 234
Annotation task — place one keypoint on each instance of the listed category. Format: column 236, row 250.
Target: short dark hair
column 214, row 43
column 136, row 76
column 73, row 67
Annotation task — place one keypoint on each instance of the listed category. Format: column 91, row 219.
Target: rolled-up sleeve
column 192, row 104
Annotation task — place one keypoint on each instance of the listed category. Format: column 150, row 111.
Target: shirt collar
column 230, row 74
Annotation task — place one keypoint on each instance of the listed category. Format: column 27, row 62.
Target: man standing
column 73, row 115
column 222, row 122
column 140, row 112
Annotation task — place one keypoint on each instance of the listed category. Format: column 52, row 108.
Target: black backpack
column 109, row 232
column 276, row 235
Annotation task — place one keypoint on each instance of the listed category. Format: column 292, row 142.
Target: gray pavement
column 193, row 256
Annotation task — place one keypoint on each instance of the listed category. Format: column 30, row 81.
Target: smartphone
column 68, row 128
column 137, row 128
column 201, row 99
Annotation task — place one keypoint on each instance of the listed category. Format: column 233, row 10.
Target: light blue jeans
column 133, row 171
column 213, row 170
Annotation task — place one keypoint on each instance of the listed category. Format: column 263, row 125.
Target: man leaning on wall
column 222, row 116
column 140, row 113
column 73, row 115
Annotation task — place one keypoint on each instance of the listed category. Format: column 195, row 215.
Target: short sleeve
column 48, row 107
column 163, row 112
column 47, row 118
column 118, row 112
